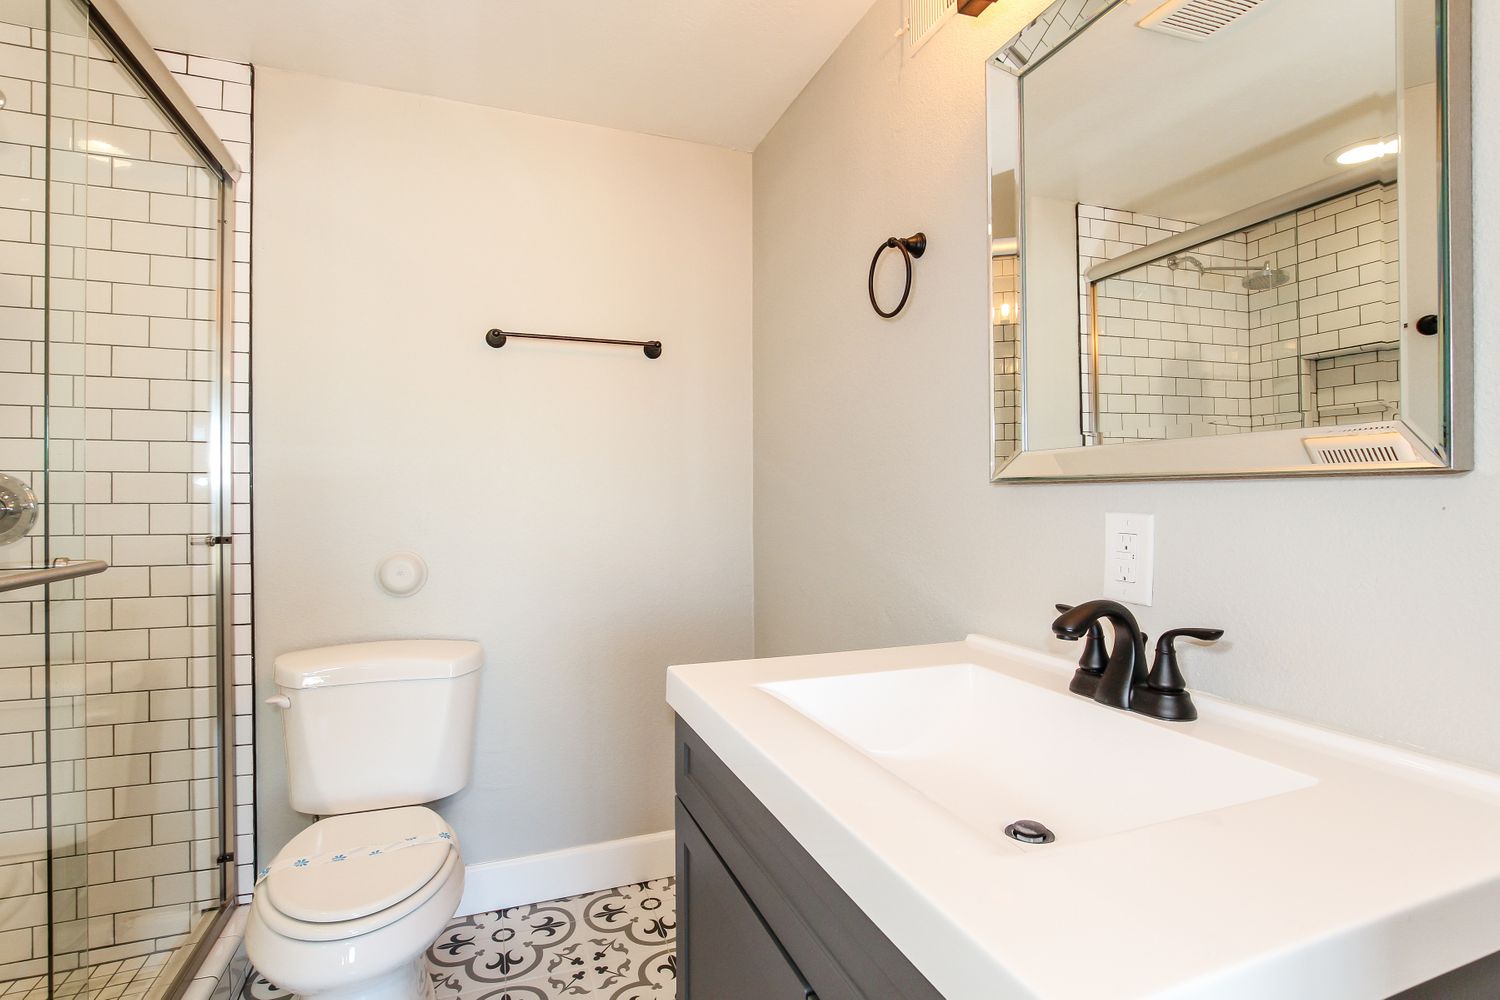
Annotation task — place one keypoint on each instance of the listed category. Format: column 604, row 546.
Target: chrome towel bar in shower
column 498, row 337
column 61, row 569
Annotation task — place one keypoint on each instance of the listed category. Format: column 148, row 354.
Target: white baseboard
column 495, row 885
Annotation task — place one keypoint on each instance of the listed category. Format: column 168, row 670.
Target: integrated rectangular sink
column 991, row 750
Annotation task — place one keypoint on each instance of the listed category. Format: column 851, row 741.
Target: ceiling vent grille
column 1365, row 447
column 1197, row 19
column 921, row 19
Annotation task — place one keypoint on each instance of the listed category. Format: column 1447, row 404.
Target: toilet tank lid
column 368, row 662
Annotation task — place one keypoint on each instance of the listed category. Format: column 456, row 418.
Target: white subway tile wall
column 224, row 91
column 1337, row 325
column 1006, row 321
column 131, row 356
column 1173, row 356
column 1189, row 351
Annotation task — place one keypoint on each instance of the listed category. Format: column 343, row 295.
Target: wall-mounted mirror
column 1231, row 238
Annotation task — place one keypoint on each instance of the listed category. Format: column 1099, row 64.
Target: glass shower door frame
column 221, row 544
column 136, row 54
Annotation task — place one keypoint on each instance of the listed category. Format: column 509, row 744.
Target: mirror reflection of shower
column 1264, row 276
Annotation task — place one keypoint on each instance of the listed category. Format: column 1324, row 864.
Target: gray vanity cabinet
column 758, row 919
column 731, row 954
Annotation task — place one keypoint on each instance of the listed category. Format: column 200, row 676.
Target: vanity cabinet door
column 724, row 949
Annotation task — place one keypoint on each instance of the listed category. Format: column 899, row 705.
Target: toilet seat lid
column 355, row 864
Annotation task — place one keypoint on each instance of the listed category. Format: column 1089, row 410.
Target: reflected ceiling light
column 1365, row 151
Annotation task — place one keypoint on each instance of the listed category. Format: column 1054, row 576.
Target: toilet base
column 411, row 981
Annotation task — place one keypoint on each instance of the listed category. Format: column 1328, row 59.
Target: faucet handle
column 1164, row 695
column 1165, row 676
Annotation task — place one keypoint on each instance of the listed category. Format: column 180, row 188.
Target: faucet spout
column 1127, row 658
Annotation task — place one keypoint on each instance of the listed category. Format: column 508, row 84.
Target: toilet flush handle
column 279, row 701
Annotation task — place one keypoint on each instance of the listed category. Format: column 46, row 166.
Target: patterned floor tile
column 616, row 944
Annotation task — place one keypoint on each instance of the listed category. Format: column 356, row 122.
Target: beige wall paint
column 1364, row 604
column 585, row 512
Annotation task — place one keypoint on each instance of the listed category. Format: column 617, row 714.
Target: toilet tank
column 373, row 725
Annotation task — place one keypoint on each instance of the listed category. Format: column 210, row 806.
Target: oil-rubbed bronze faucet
column 1093, row 661
column 1165, row 695
column 1124, row 682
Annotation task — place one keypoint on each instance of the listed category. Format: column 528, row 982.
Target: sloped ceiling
column 712, row 71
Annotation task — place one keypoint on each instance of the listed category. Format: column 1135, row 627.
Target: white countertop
column 1382, row 874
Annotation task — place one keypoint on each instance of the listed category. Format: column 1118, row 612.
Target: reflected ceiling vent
column 1373, row 444
column 921, row 19
column 1197, row 19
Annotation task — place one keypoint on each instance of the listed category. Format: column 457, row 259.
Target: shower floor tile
column 615, row 944
column 123, row 979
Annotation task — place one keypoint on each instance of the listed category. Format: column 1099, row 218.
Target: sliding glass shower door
column 113, row 803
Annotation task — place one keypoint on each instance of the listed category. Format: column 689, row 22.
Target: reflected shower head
column 1266, row 278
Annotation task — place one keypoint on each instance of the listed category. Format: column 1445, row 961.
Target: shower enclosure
column 116, row 794
column 1291, row 322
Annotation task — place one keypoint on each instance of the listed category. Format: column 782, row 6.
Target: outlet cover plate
column 1129, row 557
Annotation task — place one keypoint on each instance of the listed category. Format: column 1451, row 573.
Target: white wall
column 585, row 512
column 1362, row 603
column 1422, row 401
column 1052, row 293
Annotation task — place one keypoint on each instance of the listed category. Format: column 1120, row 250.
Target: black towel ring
column 912, row 246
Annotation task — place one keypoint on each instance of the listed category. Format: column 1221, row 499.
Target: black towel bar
column 497, row 338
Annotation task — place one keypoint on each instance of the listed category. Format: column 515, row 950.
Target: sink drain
column 1029, row 831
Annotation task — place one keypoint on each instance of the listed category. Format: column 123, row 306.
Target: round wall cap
column 402, row 574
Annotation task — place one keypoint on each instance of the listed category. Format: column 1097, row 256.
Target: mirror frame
column 1196, row 458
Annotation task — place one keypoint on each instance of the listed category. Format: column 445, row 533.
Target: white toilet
column 349, row 908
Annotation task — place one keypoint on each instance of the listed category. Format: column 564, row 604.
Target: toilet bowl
column 348, row 910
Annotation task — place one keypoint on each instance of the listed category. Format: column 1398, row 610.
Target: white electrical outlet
column 1129, row 557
